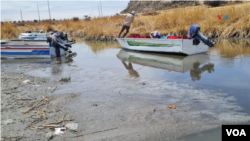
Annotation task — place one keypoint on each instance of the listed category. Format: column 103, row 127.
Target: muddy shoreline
column 110, row 106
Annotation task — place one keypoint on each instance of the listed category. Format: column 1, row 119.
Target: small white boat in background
column 28, row 33
column 182, row 46
column 175, row 63
column 33, row 35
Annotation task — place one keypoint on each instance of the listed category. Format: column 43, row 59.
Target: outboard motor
column 64, row 36
column 194, row 32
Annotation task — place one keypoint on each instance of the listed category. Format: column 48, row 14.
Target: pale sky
column 10, row 10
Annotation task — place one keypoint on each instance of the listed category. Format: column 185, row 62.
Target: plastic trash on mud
column 26, row 81
column 72, row 126
column 8, row 121
column 59, row 131
column 171, row 107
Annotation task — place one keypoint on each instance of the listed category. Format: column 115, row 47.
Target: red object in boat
column 138, row 36
column 181, row 37
column 171, row 37
column 145, row 37
column 134, row 35
column 177, row 37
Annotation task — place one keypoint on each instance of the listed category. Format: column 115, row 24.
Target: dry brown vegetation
column 175, row 21
column 150, row 13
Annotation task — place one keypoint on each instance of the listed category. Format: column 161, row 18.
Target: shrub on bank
column 75, row 19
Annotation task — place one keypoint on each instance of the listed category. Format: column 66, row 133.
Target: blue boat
column 28, row 49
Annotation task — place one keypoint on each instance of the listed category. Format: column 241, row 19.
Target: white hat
column 133, row 12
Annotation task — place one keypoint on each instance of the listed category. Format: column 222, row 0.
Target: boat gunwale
column 149, row 39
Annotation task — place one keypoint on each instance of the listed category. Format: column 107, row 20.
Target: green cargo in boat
column 133, row 43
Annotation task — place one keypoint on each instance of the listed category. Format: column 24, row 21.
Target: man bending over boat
column 126, row 25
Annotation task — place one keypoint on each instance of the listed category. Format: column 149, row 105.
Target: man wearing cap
column 126, row 25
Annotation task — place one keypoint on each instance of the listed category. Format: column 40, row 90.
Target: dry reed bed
column 11, row 31
column 176, row 21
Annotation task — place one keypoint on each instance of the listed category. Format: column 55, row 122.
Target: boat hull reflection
column 175, row 63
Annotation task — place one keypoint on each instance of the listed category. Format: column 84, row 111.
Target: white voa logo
column 236, row 132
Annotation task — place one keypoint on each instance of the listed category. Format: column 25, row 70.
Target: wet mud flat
column 28, row 103
column 106, row 105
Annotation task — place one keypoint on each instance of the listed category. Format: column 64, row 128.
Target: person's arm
column 123, row 15
column 133, row 19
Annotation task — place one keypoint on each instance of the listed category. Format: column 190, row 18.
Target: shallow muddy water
column 224, row 69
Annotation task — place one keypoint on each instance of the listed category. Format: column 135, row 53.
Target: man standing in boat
column 126, row 25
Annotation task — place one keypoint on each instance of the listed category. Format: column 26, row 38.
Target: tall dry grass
column 8, row 31
column 11, row 31
column 175, row 21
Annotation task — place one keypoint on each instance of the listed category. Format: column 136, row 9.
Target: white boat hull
column 183, row 46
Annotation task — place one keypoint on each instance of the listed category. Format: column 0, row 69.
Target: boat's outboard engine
column 195, row 33
column 64, row 36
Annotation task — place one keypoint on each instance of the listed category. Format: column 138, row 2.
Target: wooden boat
column 182, row 46
column 175, row 63
column 28, row 49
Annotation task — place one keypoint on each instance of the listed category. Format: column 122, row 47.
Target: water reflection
column 98, row 47
column 130, row 69
column 233, row 48
column 197, row 71
column 21, row 61
column 58, row 62
column 196, row 64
